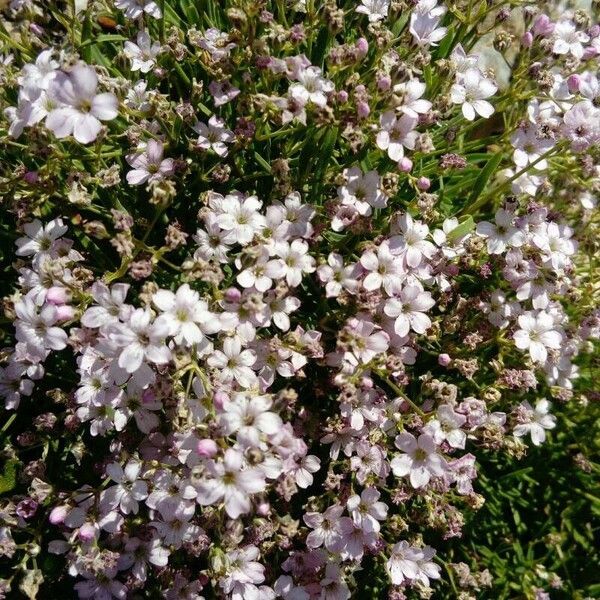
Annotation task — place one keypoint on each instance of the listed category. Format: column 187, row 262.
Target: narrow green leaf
column 484, row 176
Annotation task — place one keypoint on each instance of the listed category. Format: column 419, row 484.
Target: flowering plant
column 286, row 286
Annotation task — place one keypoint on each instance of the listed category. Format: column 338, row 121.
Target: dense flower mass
column 280, row 277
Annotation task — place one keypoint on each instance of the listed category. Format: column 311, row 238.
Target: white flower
column 529, row 146
column 336, row 276
column 568, row 40
column 140, row 340
column 40, row 73
column 362, row 190
column 471, row 90
column 143, row 54
column 384, row 269
column 261, row 274
column 537, row 333
column 424, row 21
column 149, row 164
column 36, row 329
column 396, row 134
column 234, row 363
column 185, row 315
column 80, row 108
column 239, row 215
column 297, row 260
column 128, row 491
column 111, row 305
column 412, row 243
column 447, row 426
column 243, row 572
column 249, row 418
column 231, row 482
column 303, row 474
column 403, row 562
column 216, row 43
column 137, row 97
column 409, row 94
column 461, row 61
column 376, row 10
column 311, row 87
column 420, row 461
column 408, row 308
column 501, row 234
column 366, row 510
column 325, row 528
column 214, row 135
column 40, row 238
column 134, row 9
column 540, row 420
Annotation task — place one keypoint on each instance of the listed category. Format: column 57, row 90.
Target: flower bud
column 423, row 183
column 58, row 514
column 573, row 83
column 263, row 509
column 363, row 110
column 219, row 399
column 207, row 448
column 342, row 96
column 384, row 83
column 57, row 295
column 444, row 360
column 405, row 164
column 31, row 177
column 87, row 532
column 64, row 312
column 527, row 39
column 362, row 46
column 543, row 26
column 233, row 294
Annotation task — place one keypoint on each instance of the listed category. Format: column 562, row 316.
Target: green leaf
column 188, row 8
column 8, row 479
column 484, row 176
column 262, row 162
column 466, row 226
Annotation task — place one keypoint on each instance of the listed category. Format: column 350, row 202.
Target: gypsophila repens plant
column 293, row 291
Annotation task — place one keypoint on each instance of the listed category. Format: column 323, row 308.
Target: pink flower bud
column 594, row 31
column 405, row 164
column 64, row 312
column 452, row 270
column 219, row 399
column 233, row 294
column 444, row 360
column 543, row 26
column 384, row 83
column 362, row 46
column 589, row 53
column 423, row 183
column 87, row 532
column 57, row 295
column 58, row 514
column 573, row 83
column 36, row 29
column 263, row 509
column 527, row 39
column 207, row 448
column 363, row 110
column 342, row 96
column 31, row 177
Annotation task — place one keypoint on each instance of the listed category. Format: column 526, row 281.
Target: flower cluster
column 271, row 302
